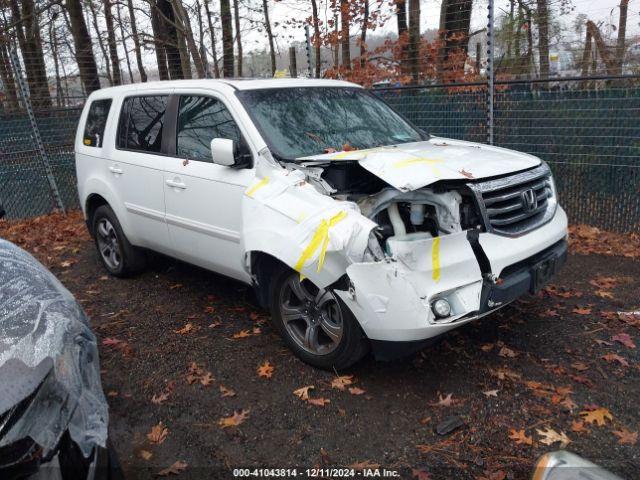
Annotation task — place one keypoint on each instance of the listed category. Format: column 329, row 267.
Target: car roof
column 234, row 83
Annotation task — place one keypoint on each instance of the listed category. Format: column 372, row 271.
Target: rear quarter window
column 96, row 123
column 141, row 123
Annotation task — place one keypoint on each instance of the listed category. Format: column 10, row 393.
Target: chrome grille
column 516, row 204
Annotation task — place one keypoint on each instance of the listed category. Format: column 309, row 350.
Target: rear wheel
column 118, row 256
column 315, row 323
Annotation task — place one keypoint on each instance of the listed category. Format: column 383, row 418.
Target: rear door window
column 200, row 120
column 96, row 123
column 142, row 122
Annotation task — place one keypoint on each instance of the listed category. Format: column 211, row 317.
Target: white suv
column 355, row 228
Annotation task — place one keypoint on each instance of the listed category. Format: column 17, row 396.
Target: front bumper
column 391, row 299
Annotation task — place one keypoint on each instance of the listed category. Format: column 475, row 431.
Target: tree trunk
column 28, row 31
column 455, row 19
column 316, row 35
column 236, row 14
column 96, row 27
column 227, row 38
column 622, row 33
column 403, row 35
column 414, row 39
column 183, row 23
column 543, row 38
column 336, row 50
column 136, row 41
column 161, row 54
column 363, row 34
column 124, row 42
column 201, row 48
column 83, row 46
column 267, row 26
column 53, row 41
column 8, row 80
column 169, row 38
column 345, row 23
column 216, row 66
column 113, row 44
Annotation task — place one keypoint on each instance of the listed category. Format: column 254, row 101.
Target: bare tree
column 169, row 38
column 124, row 42
column 363, row 33
column 345, row 21
column 414, row 38
column 543, row 37
column 236, row 13
column 622, row 32
column 316, row 35
column 161, row 52
column 227, row 38
column 28, row 32
column 6, row 74
column 216, row 66
column 185, row 31
column 401, row 19
column 136, row 41
column 455, row 19
column 96, row 27
column 267, row 25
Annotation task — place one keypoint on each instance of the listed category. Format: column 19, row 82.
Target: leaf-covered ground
column 198, row 383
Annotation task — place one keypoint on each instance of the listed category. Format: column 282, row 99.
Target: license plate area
column 542, row 273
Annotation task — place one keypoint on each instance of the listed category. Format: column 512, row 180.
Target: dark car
column 53, row 413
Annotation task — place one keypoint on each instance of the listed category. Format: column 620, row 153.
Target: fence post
column 490, row 72
column 26, row 98
column 293, row 65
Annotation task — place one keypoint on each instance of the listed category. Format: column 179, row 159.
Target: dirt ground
column 562, row 366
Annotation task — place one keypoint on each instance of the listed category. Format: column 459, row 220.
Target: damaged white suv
column 355, row 228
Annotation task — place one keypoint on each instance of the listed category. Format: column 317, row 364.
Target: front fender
column 287, row 218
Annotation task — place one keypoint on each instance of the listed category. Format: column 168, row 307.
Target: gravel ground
column 546, row 368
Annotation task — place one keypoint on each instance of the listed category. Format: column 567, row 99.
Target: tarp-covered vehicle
column 53, row 413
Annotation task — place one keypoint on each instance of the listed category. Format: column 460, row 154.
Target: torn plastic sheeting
column 40, row 324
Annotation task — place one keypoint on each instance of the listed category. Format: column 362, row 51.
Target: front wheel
column 316, row 325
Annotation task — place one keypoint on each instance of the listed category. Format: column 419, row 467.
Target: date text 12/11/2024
column 366, row 472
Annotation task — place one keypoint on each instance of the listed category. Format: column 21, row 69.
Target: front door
column 203, row 200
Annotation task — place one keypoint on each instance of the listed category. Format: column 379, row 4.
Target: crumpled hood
column 411, row 166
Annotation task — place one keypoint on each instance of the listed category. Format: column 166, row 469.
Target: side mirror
column 222, row 152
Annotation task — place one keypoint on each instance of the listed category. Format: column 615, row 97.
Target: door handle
column 176, row 184
column 116, row 170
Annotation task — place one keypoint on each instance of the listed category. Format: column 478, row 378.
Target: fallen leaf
column 242, row 334
column 604, row 294
column 176, row 286
column 487, row 347
column 364, row 464
column 581, row 367
column 174, row 469
column 626, row 437
column 341, row 382
column 599, row 416
column 625, row 339
column 234, row 420
column 550, row 437
column 188, row 328
column 356, row 391
column 145, row 454
column 578, row 426
column 614, row 357
column 603, row 342
column 158, row 433
column 582, row 310
column 320, row 402
column 265, row 370
column 444, row 401
column 519, row 437
column 569, row 404
column 420, row 474
column 491, row 393
column 160, row 398
column 507, row 352
column 207, row 379
column 303, row 392
column 111, row 342
column 226, row 392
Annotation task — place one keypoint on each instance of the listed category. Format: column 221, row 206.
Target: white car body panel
column 219, row 217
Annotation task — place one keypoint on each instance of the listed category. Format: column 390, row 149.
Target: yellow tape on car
column 435, row 258
column 320, row 240
column 252, row 190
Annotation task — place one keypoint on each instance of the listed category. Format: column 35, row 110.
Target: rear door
column 136, row 168
column 203, row 200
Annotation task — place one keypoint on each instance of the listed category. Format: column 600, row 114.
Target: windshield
column 298, row 122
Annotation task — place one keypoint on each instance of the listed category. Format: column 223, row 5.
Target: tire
column 314, row 323
column 118, row 256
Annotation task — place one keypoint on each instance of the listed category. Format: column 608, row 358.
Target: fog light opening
column 441, row 308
